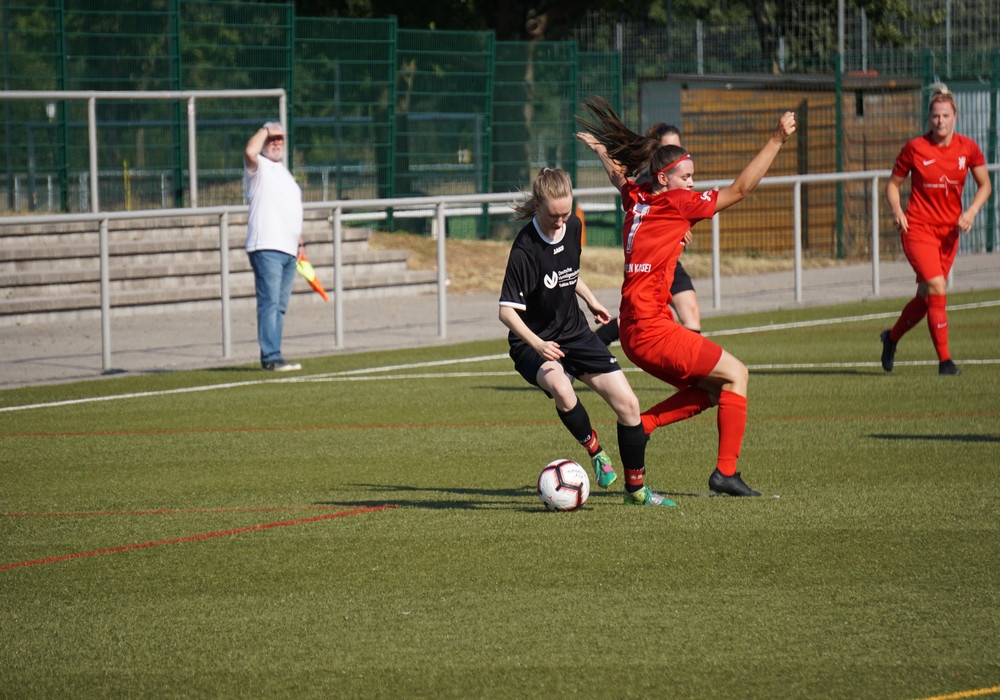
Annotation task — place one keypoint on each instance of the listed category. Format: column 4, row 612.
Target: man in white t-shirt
column 274, row 237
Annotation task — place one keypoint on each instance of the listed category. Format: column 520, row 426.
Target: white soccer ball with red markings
column 563, row 485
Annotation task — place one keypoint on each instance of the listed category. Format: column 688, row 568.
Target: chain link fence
column 379, row 111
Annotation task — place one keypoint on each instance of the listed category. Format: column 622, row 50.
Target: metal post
column 875, row 238
column 716, row 266
column 838, row 153
column 442, row 270
column 797, row 244
column 840, row 36
column 105, row 298
column 864, row 40
column 63, row 118
column 338, row 279
column 283, row 116
column 289, row 152
column 947, row 31
column 227, row 336
column 700, row 43
column 95, row 205
column 991, row 146
column 32, row 185
column 192, row 153
column 8, row 117
column 338, row 136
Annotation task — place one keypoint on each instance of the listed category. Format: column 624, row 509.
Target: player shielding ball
column 551, row 340
column 658, row 214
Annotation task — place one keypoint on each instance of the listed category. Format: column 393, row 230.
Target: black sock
column 577, row 421
column 632, row 446
column 608, row 333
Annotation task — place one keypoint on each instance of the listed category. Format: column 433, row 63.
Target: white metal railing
column 190, row 96
column 438, row 209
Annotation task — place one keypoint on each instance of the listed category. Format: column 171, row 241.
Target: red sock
column 732, row 420
column 937, row 322
column 687, row 402
column 633, row 478
column 591, row 444
column 913, row 313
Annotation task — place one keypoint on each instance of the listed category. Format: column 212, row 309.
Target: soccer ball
column 563, row 485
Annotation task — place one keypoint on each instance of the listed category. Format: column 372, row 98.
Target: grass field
column 370, row 529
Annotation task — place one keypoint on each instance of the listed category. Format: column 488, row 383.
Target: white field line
column 834, row 321
column 359, row 374
column 342, row 376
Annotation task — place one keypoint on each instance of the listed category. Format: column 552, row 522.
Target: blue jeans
column 273, row 274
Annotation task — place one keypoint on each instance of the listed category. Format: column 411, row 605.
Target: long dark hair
column 633, row 151
column 661, row 129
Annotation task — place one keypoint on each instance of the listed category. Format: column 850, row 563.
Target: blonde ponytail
column 549, row 184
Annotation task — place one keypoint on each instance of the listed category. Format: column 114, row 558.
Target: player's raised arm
column 755, row 170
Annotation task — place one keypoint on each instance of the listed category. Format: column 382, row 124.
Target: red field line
column 163, row 511
column 502, row 424
column 198, row 538
column 290, row 428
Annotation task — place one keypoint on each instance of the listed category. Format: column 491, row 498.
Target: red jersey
column 654, row 228
column 938, row 175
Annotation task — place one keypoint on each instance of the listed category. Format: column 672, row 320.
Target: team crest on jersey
column 961, row 162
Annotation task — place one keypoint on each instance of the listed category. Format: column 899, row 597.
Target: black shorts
column 584, row 355
column 682, row 280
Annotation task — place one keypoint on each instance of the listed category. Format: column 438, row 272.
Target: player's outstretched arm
column 751, row 175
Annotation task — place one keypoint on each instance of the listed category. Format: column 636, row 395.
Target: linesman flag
column 305, row 269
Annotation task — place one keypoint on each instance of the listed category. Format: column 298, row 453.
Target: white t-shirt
column 274, row 221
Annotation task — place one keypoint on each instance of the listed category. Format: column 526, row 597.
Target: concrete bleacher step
column 52, row 271
column 127, row 269
column 412, row 281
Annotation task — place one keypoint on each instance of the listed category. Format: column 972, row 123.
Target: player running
column 939, row 163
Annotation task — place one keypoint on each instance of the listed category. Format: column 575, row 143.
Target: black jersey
column 540, row 283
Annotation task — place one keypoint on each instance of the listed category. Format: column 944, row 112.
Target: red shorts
column 668, row 351
column 931, row 250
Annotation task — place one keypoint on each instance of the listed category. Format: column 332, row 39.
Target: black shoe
column 948, row 367
column 732, row 485
column 281, row 366
column 888, row 351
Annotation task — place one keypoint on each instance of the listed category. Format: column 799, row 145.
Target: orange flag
column 306, row 270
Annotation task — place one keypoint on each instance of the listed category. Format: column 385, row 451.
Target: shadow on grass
column 521, row 499
column 241, row 369
column 947, row 438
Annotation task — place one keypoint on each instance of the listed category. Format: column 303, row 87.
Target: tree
column 511, row 20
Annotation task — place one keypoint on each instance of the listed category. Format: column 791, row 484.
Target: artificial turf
column 354, row 532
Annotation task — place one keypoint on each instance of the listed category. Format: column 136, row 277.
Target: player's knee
column 628, row 408
column 937, row 286
column 736, row 376
column 742, row 374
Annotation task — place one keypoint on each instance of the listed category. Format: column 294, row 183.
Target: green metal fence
column 379, row 111
column 344, row 107
column 375, row 111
